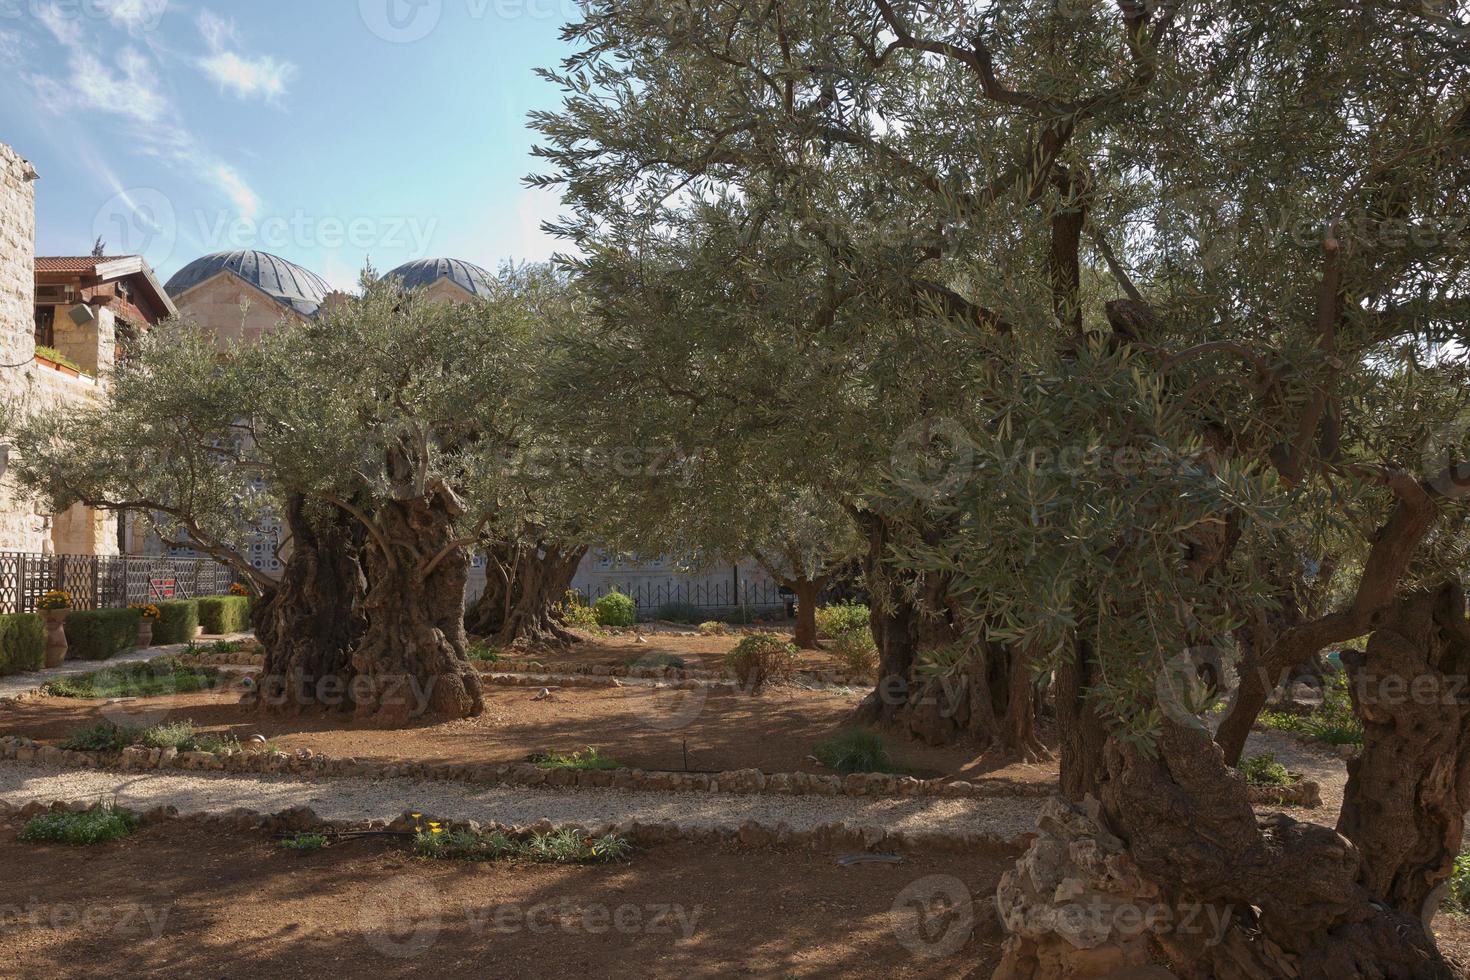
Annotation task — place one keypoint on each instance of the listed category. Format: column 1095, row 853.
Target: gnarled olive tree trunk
column 896, row 625
column 523, row 585
column 991, row 700
column 1409, row 787
column 311, row 620
column 410, row 661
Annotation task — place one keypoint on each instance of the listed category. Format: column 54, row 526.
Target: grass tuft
column 588, row 758
column 856, row 750
column 304, row 842
column 1264, row 770
column 104, row 822
column 155, row 678
column 557, row 847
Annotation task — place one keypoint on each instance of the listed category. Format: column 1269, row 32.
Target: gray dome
column 425, row 272
column 286, row 282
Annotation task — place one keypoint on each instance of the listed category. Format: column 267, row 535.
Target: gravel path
column 1004, row 819
column 1321, row 764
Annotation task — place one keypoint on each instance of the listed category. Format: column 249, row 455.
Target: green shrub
column 1264, row 770
column 22, row 643
column 178, row 621
column 1457, row 899
column 463, row 845
column 166, row 675
column 615, row 609
column 482, row 651
column 182, row 736
column 713, row 627
column 857, row 652
column 679, row 612
column 224, row 613
column 761, row 658
column 588, row 758
column 98, row 825
column 1332, row 722
column 304, row 842
column 855, row 750
column 101, row 737
column 97, row 634
column 842, row 617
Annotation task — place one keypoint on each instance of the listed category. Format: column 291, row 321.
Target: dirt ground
column 188, row 902
column 639, row 726
column 697, row 651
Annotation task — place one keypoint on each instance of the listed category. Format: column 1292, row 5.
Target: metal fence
column 107, row 581
column 649, row 597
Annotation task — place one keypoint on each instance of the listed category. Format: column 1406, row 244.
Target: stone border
column 546, row 668
column 312, row 765
column 1304, row 793
column 751, row 833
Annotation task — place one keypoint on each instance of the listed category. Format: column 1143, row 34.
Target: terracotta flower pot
column 55, row 636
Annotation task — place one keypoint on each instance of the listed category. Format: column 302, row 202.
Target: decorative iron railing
column 107, row 581
column 650, row 596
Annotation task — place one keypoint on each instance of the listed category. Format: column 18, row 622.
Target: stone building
column 76, row 308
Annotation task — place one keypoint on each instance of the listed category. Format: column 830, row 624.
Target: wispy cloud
column 130, row 89
column 248, row 77
column 134, row 16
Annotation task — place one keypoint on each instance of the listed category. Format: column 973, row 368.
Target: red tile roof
column 68, row 263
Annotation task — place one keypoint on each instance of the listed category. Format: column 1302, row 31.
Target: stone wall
column 28, row 387
column 232, row 310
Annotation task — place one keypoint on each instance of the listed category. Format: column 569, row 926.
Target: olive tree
column 1200, row 259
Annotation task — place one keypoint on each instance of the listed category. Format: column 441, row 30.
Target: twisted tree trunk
column 1409, row 788
column 410, row 662
column 806, row 591
column 310, row 621
column 523, row 585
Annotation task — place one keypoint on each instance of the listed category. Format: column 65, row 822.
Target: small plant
column 588, row 758
column 1457, row 898
column 842, row 617
column 855, row 750
column 575, row 612
column 857, row 652
column 236, row 589
column 147, row 609
column 1332, row 722
column 556, row 847
column 57, row 357
column 761, row 658
column 678, row 612
column 55, row 599
column 182, row 736
column 104, row 822
column 615, row 609
column 483, row 652
column 1264, row 770
column 304, row 842
column 101, row 737
column 713, row 627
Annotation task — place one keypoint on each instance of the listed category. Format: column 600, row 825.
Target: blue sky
column 325, row 131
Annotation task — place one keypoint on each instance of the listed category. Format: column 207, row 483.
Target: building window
column 45, row 326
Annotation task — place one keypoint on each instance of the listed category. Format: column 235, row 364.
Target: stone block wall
column 27, row 387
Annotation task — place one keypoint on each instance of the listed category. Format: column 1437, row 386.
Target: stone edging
column 312, row 765
column 1305, row 793
column 751, row 833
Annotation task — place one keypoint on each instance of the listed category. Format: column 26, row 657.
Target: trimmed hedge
column 224, row 613
column 96, row 634
column 178, row 621
column 22, row 643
